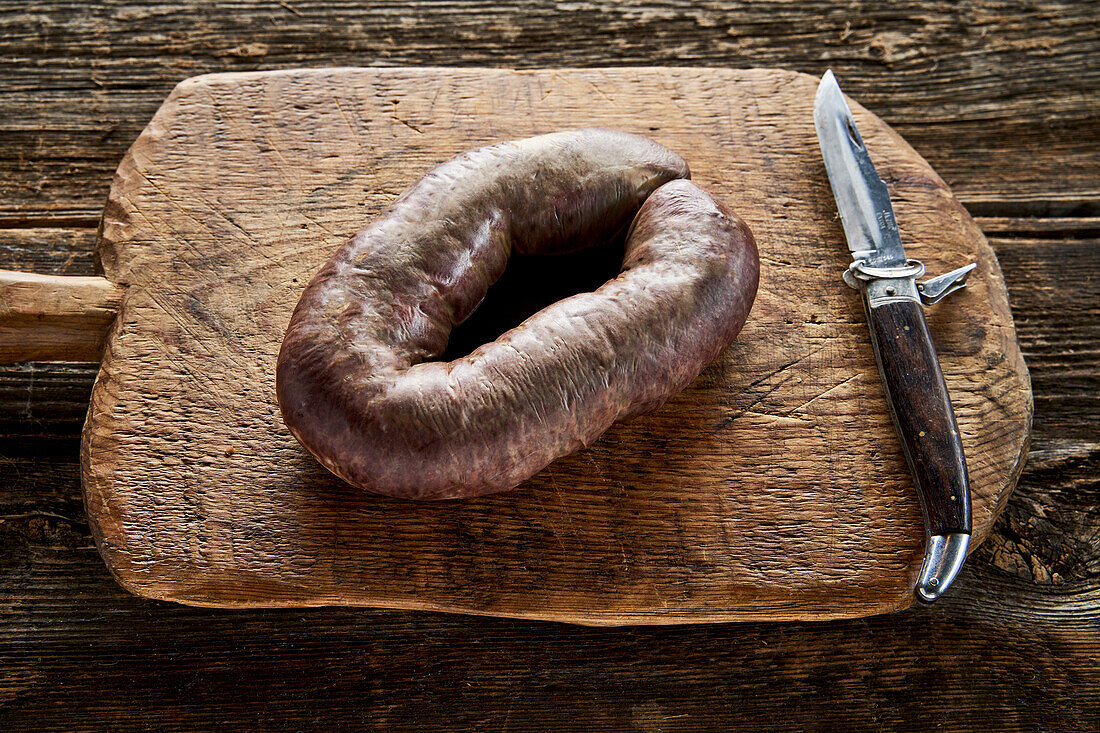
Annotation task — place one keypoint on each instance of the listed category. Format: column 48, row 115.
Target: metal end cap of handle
column 943, row 559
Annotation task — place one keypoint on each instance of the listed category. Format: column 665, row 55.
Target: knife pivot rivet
column 891, row 290
column 933, row 582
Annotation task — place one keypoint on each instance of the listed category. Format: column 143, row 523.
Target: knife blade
column 912, row 379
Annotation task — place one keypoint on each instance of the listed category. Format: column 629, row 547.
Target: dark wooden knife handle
column 921, row 407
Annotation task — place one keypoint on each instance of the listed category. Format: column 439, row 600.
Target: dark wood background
column 1002, row 98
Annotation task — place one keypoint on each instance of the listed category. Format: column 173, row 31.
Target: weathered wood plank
column 48, row 251
column 1055, row 294
column 1034, row 227
column 995, row 96
column 42, row 401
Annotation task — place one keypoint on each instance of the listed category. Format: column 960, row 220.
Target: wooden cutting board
column 774, row 487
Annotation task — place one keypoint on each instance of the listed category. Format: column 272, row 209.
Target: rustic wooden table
column 1003, row 99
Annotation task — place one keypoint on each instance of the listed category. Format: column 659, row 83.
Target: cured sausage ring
column 355, row 377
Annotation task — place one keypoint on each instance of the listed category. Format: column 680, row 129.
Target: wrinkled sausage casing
column 355, row 376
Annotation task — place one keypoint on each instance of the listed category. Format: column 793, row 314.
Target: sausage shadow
column 531, row 283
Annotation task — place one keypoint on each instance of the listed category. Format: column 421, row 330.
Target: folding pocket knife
column 892, row 298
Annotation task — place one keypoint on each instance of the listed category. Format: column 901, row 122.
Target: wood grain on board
column 773, row 487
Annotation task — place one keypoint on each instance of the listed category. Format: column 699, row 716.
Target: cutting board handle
column 55, row 318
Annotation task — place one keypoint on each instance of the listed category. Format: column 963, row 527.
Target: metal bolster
column 885, row 284
column 898, row 284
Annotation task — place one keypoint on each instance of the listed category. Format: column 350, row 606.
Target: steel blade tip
column 828, row 95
